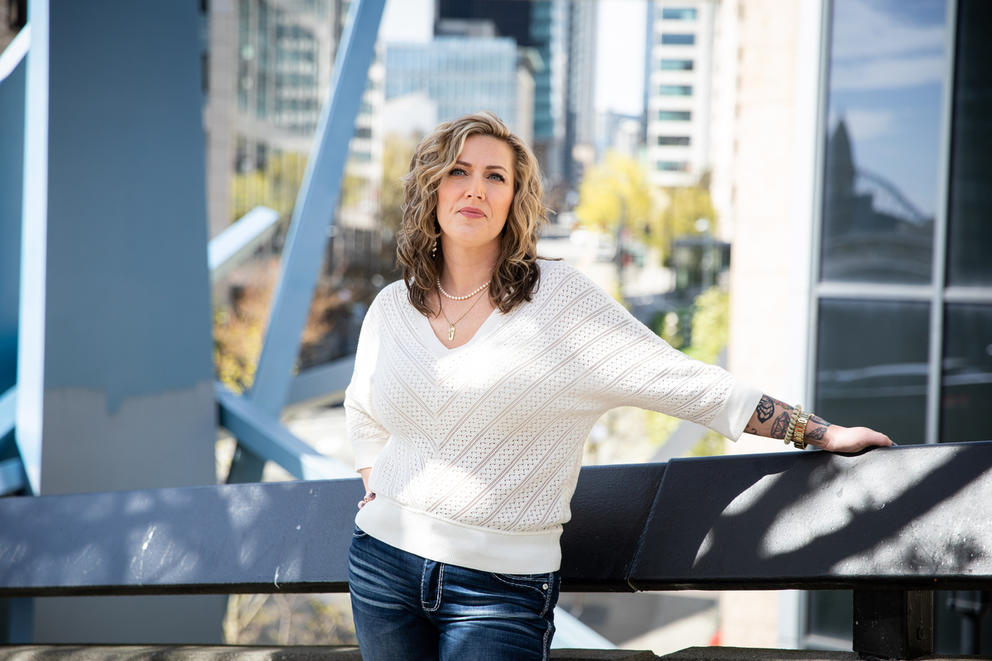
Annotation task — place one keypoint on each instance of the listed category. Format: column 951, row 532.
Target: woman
column 477, row 380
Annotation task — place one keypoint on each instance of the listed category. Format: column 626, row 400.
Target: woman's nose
column 476, row 188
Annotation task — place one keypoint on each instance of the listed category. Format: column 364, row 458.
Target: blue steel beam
column 264, row 436
column 324, row 382
column 239, row 239
column 316, row 204
column 12, row 477
column 315, row 207
column 8, row 411
column 14, row 53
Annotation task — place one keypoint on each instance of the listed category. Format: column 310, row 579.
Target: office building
column 267, row 70
column 678, row 89
column 860, row 285
column 462, row 75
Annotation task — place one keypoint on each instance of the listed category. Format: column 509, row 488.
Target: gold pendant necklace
column 451, row 324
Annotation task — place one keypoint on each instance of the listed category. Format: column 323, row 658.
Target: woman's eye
column 457, row 172
column 496, row 176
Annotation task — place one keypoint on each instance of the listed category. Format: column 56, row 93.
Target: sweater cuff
column 737, row 410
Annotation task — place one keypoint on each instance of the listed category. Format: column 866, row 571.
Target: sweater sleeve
column 365, row 431
column 638, row 368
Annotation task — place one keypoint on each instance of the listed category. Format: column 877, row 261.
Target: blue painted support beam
column 12, row 477
column 8, row 411
column 15, row 474
column 239, row 239
column 324, row 382
column 315, row 208
column 114, row 369
column 314, row 212
column 14, row 53
column 264, row 436
column 13, row 80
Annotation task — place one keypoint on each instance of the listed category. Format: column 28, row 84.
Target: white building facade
column 678, row 89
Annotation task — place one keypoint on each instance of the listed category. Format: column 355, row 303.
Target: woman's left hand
column 851, row 439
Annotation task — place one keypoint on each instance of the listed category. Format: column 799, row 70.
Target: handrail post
column 893, row 623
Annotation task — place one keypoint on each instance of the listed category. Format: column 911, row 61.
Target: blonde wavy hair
column 516, row 275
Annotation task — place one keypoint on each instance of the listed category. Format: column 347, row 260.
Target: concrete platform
column 350, row 653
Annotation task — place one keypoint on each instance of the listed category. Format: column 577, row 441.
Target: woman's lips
column 471, row 212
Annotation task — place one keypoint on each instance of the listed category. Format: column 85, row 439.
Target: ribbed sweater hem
column 460, row 544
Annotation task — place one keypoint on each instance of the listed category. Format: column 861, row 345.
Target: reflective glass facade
column 903, row 293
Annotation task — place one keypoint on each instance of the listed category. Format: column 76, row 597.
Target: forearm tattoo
column 771, row 419
column 766, row 409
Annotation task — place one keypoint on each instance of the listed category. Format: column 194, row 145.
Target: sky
column 620, row 48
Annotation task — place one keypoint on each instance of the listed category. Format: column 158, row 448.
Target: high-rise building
column 462, row 75
column 580, row 92
column 678, row 89
column 540, row 28
column 267, row 70
column 857, row 181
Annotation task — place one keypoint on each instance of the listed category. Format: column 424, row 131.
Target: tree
column 683, row 208
column 274, row 186
column 616, row 192
column 396, row 153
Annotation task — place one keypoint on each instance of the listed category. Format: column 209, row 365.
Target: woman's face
column 474, row 197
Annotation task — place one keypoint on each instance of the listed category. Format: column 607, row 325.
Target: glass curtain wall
column 903, row 297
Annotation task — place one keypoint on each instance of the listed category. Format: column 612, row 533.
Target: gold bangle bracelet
column 799, row 435
column 792, row 423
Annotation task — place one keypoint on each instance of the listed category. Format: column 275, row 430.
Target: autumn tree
column 396, row 153
column 616, row 193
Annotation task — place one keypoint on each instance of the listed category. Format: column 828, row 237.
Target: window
column 676, row 65
column 673, row 140
column 675, row 90
column 677, row 39
column 673, row 166
column 903, row 337
column 880, row 194
column 678, row 14
column 872, row 365
column 674, row 115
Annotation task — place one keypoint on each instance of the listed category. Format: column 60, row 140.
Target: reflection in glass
column 887, row 63
column 966, row 382
column 831, row 613
column 969, row 231
column 872, row 366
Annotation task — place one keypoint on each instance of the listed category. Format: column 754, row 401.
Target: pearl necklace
column 466, row 296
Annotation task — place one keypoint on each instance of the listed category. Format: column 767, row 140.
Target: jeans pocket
column 540, row 582
column 358, row 533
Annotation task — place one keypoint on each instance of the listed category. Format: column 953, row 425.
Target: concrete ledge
column 351, row 653
column 759, row 654
column 248, row 653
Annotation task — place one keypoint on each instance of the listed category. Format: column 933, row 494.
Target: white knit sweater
column 475, row 451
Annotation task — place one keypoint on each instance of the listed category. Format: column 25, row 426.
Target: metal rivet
column 544, row 587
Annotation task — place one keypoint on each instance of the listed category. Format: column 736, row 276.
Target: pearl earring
column 434, row 249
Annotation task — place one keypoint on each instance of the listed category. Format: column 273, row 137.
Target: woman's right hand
column 369, row 496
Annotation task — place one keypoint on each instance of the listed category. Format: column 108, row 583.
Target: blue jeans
column 407, row 607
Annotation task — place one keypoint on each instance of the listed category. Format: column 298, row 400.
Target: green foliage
column 710, row 333
column 683, row 208
column 613, row 192
column 710, row 444
column 674, row 326
column 275, row 186
column 710, row 325
column 616, row 193
column 396, row 153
